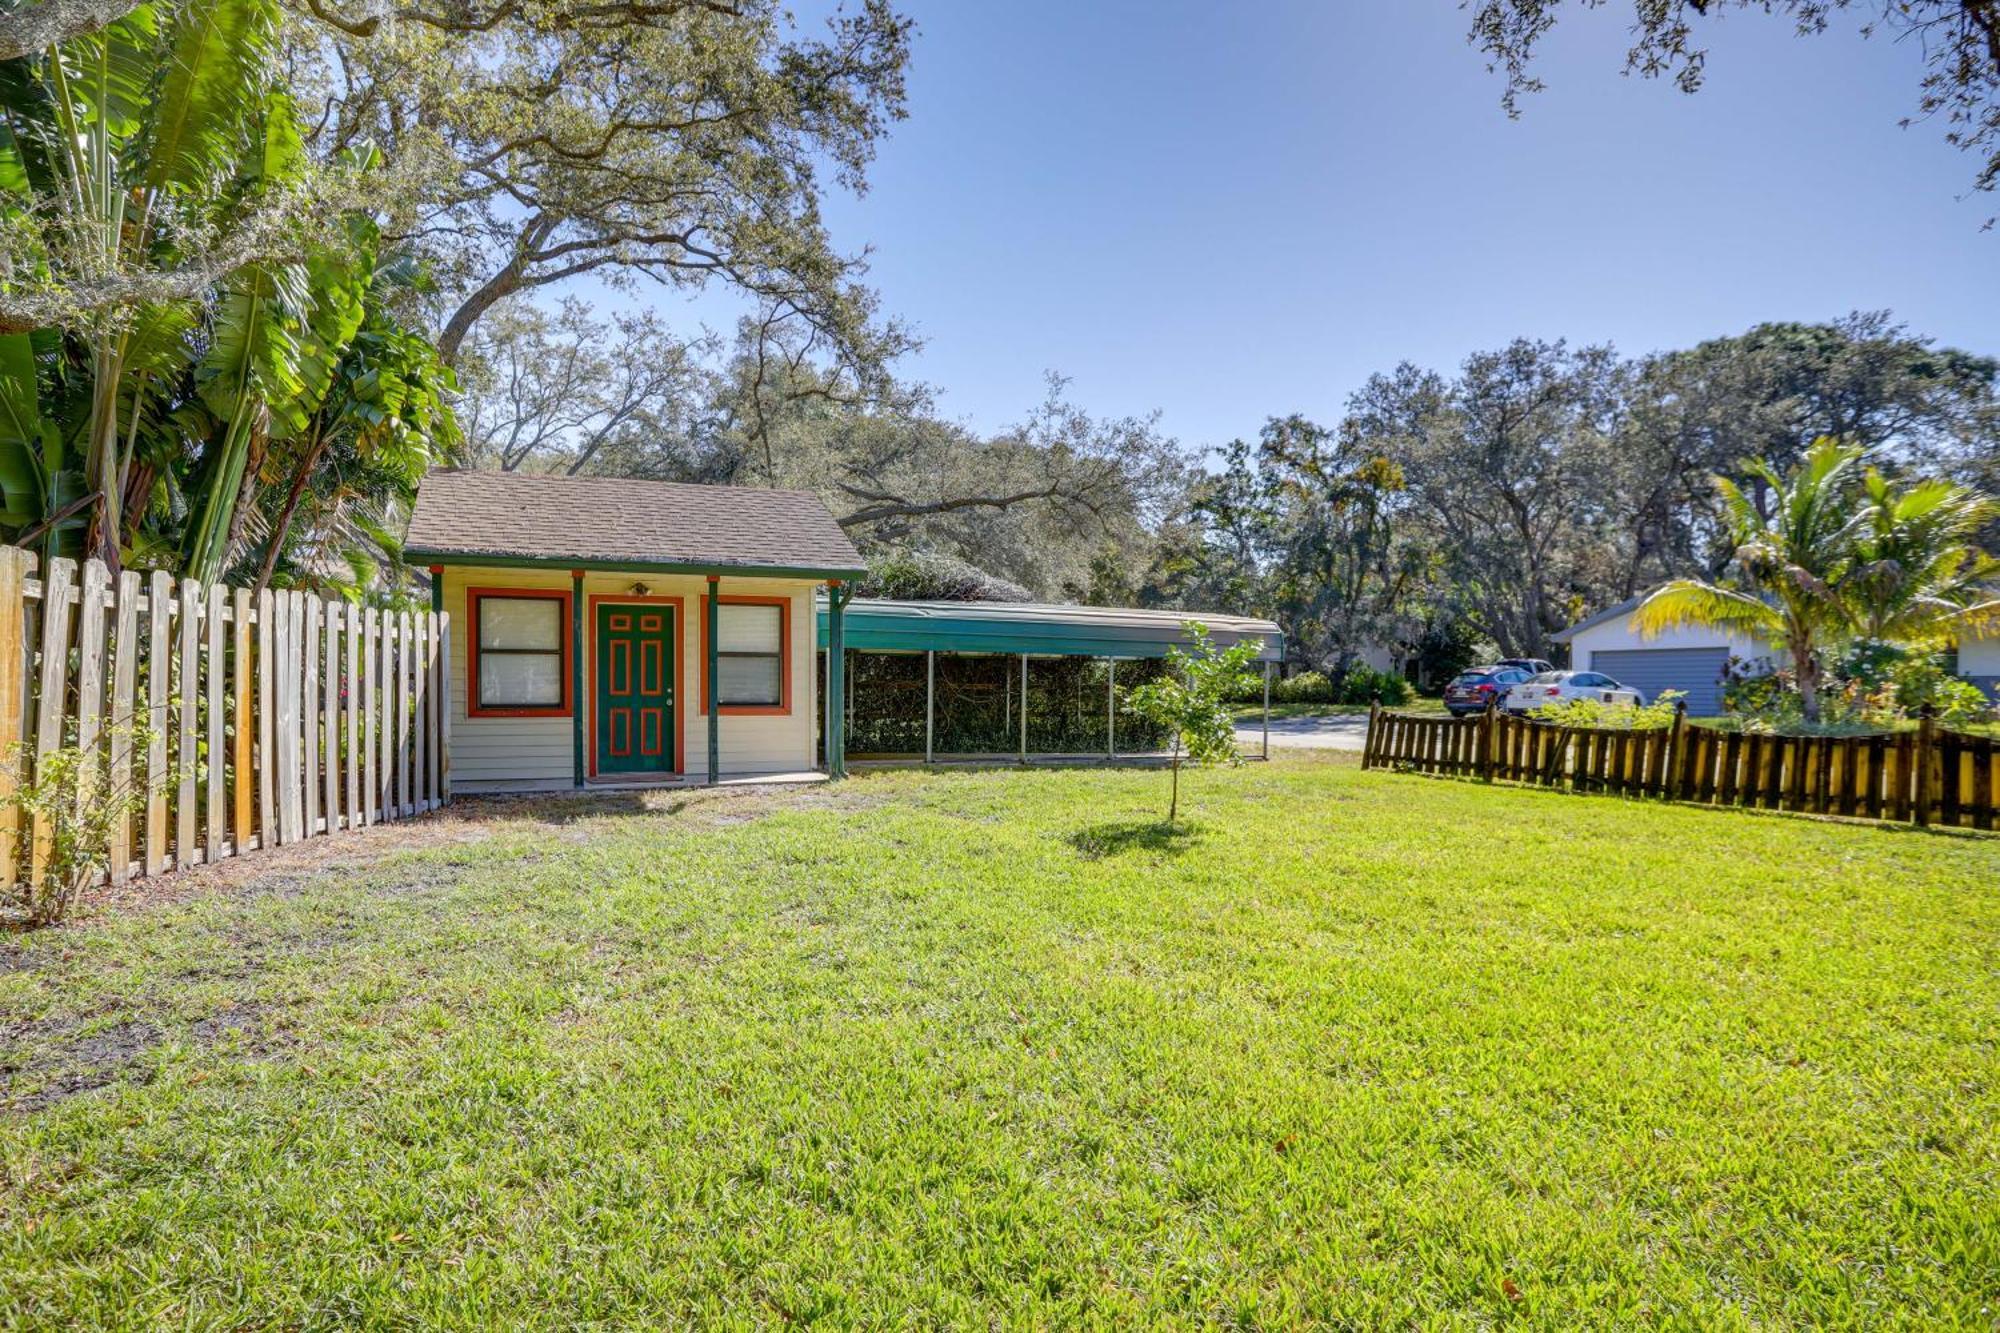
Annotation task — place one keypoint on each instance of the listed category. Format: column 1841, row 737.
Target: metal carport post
column 1267, row 710
column 1024, row 708
column 1110, row 708
column 930, row 703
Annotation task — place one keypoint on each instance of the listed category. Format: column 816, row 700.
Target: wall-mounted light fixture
column 640, row 590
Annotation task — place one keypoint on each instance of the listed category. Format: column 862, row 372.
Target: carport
column 981, row 681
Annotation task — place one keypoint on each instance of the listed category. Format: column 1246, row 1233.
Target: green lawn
column 979, row 1048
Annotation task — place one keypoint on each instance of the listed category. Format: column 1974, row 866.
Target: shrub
column 1770, row 695
column 1365, row 685
column 1874, row 686
column 1655, row 716
column 78, row 805
column 1919, row 680
column 1308, row 687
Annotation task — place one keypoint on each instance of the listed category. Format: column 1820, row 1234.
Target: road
column 1342, row 732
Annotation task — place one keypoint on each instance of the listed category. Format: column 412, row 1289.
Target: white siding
column 525, row 753
column 1979, row 656
column 1376, row 657
column 1979, row 662
column 1617, row 634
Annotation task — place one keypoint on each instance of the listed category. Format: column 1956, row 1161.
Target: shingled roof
column 616, row 521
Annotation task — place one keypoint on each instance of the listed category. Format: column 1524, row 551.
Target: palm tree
column 1919, row 572
column 1797, row 560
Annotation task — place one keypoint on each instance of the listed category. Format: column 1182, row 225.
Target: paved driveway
column 1345, row 732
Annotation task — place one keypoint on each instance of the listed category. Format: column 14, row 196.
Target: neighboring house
column 1689, row 659
column 578, row 605
column 1378, row 657
column 1979, row 662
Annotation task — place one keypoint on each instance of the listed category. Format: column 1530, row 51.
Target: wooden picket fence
column 267, row 719
column 1928, row 776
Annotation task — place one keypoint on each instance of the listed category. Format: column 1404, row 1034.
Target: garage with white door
column 1690, row 659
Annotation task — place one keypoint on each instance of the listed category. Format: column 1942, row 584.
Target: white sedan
column 1556, row 687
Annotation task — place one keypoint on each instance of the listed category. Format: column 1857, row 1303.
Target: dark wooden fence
column 1928, row 776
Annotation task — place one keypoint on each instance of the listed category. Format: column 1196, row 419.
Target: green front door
column 635, row 688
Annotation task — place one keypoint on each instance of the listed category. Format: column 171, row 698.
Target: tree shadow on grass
column 1120, row 836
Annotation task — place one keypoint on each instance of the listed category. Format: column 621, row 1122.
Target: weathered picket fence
column 266, row 719
column 1930, row 775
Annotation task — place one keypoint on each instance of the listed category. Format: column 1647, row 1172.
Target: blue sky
column 1230, row 212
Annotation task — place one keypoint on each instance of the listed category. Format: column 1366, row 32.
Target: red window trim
column 473, row 597
column 783, row 707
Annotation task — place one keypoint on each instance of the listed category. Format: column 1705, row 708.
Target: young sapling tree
column 1191, row 702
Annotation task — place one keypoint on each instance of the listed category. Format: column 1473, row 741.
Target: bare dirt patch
column 300, row 866
column 77, row 1066
column 66, row 1060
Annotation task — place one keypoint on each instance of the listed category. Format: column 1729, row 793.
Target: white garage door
column 1695, row 672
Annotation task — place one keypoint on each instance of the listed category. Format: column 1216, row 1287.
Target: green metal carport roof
column 1038, row 629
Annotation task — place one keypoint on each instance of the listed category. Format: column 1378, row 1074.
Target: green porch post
column 836, row 679
column 713, row 693
column 437, row 588
column 576, row 703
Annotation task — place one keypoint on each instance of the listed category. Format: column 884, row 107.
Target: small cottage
column 613, row 632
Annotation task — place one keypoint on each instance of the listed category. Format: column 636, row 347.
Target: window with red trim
column 520, row 652
column 753, row 654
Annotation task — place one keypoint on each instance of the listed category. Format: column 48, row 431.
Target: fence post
column 1677, row 751
column 15, row 565
column 1487, row 722
column 243, row 775
column 1368, row 741
column 1267, row 710
column 1926, row 738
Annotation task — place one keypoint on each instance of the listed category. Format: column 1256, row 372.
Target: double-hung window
column 750, row 655
column 521, row 644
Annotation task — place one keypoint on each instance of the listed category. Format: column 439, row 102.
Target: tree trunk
column 1174, row 800
column 139, row 479
column 276, row 540
column 253, row 471
column 1343, row 662
column 511, row 279
column 1806, row 665
column 101, row 464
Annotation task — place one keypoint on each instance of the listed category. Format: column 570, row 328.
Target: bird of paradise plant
column 157, row 166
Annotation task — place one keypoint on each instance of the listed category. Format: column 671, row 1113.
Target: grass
column 982, row 1048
